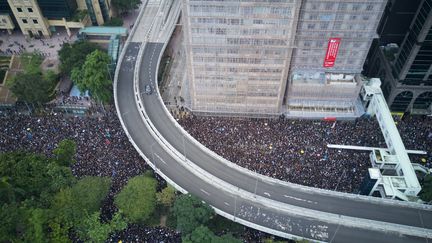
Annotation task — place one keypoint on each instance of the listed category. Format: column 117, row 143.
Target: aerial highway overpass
column 280, row 208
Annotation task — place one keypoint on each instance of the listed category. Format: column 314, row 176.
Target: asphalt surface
column 254, row 212
column 154, row 109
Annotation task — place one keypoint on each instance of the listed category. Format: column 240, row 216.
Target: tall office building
column 238, row 53
column 403, row 60
column 99, row 11
column 276, row 57
column 58, row 9
column 38, row 18
column 332, row 42
column 6, row 22
column 30, row 18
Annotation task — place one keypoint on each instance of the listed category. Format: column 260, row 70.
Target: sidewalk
column 17, row 43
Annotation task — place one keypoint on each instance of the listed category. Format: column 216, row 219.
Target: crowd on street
column 290, row 150
column 137, row 233
column 16, row 43
column 102, row 147
column 296, row 150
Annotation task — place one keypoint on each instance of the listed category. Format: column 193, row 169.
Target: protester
column 296, row 150
column 290, row 150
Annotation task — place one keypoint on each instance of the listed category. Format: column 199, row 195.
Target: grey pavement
column 17, row 43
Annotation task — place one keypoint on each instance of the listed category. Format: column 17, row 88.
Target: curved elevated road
column 283, row 209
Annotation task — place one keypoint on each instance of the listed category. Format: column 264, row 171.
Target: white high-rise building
column 273, row 56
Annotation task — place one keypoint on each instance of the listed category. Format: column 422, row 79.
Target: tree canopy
column 31, row 85
column 73, row 55
column 191, row 213
column 426, row 192
column 137, row 200
column 65, row 152
column 167, row 196
column 204, row 234
column 27, row 175
column 27, row 186
column 125, row 5
column 95, row 231
column 73, row 204
column 93, row 75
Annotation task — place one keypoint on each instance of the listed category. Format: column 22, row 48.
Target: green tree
column 204, row 234
column 227, row 238
column 426, row 192
column 200, row 234
column 167, row 196
column 12, row 223
column 35, row 231
column 137, row 200
column 9, row 193
column 94, row 76
column 65, row 152
column 32, row 176
column 73, row 204
column 191, row 213
column 25, row 171
column 32, row 85
column 73, row 55
column 114, row 22
column 95, row 231
column 125, row 5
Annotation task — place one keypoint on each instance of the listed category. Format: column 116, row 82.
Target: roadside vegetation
column 32, row 85
column 41, row 201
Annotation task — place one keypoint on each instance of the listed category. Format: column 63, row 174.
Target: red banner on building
column 332, row 50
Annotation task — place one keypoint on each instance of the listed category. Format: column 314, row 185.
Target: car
column 148, row 89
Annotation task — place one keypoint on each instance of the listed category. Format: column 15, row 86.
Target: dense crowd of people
column 102, row 147
column 138, row 233
column 296, row 150
column 290, row 150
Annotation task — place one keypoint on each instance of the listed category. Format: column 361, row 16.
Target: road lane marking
column 208, row 194
column 160, row 158
column 226, row 203
column 300, row 199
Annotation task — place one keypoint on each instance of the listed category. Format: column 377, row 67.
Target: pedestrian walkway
column 16, row 43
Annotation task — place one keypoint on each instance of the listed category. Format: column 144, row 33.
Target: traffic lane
column 164, row 162
column 278, row 192
column 187, row 180
column 216, row 197
column 320, row 202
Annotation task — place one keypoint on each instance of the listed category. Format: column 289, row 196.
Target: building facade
column 405, row 65
column 239, row 53
column 331, row 87
column 30, row 18
column 38, row 18
column 268, row 56
column 99, row 11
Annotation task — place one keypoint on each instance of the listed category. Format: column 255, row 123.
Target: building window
column 19, row 10
column 24, row 21
column 35, row 21
column 30, row 10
